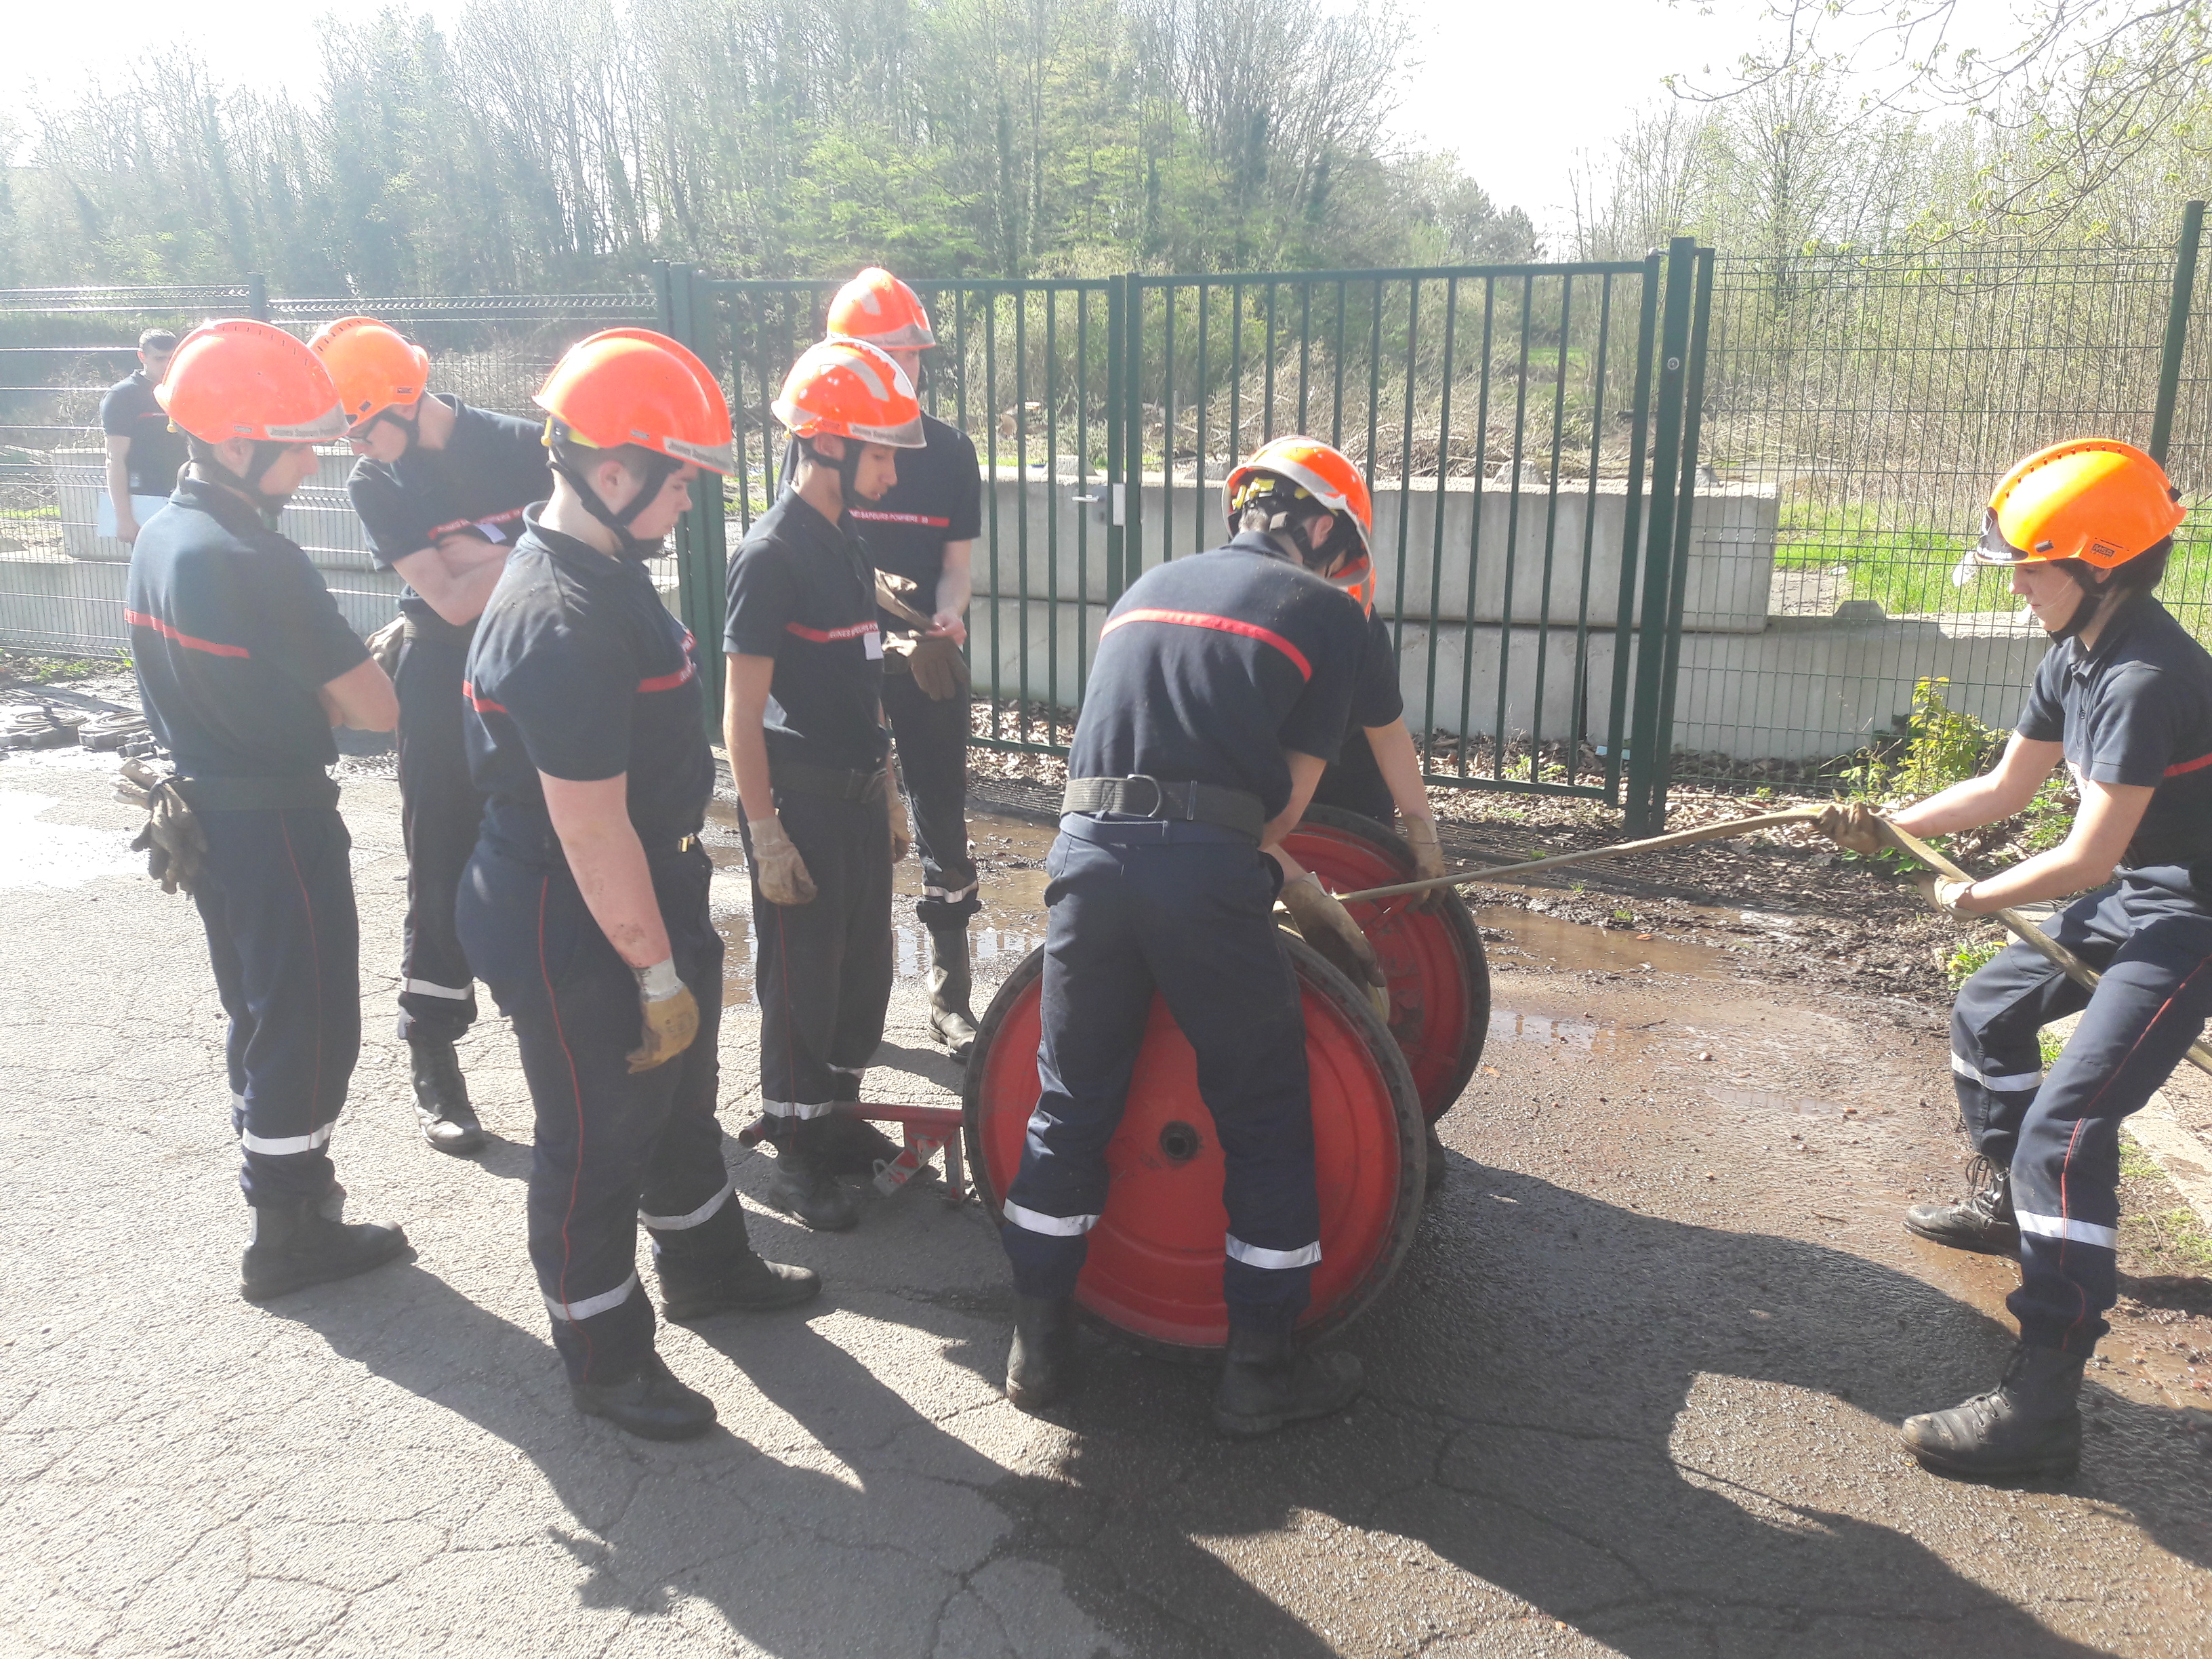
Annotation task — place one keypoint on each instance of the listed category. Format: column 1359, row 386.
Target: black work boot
column 296, row 1244
column 805, row 1187
column 441, row 1098
column 2029, row 1424
column 1266, row 1385
column 693, row 1289
column 1983, row 1222
column 1041, row 1364
column 952, row 982
column 651, row 1404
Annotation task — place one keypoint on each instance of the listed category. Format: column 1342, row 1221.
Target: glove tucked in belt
column 172, row 841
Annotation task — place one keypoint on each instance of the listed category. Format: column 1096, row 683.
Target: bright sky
column 1520, row 90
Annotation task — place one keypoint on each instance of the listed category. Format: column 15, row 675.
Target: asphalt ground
column 1636, row 1390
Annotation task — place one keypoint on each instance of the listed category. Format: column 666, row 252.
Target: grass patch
column 25, row 668
column 1970, row 958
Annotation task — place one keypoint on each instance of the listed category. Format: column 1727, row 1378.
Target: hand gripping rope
column 2028, row 933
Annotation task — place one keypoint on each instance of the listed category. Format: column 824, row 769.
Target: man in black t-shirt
column 585, row 906
column 244, row 666
column 440, row 488
column 824, row 819
column 920, row 537
column 144, row 451
column 2123, row 701
column 1220, row 691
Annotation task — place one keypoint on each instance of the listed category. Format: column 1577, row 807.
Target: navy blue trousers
column 823, row 968
column 1185, row 909
column 440, row 811
column 932, row 756
column 612, row 1149
column 285, row 941
column 2151, row 939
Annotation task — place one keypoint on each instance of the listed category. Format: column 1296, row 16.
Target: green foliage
column 2050, row 1045
column 1969, row 958
column 565, row 143
column 1944, row 746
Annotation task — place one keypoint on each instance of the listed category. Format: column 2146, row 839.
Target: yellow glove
column 671, row 1017
column 387, row 643
column 1428, row 855
column 777, row 866
column 1855, row 828
column 1328, row 927
column 895, row 809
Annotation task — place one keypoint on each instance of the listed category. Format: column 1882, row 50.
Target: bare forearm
column 1966, row 806
column 1306, row 777
column 956, row 586
column 456, row 578
column 1399, row 764
column 118, row 483
column 607, row 862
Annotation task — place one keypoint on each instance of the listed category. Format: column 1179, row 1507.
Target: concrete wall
column 1046, row 536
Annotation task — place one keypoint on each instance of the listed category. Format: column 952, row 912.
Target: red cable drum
column 1440, row 979
column 1154, row 1269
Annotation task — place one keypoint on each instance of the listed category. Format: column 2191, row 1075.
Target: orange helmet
column 1313, row 471
column 850, row 389
column 2093, row 499
column 373, row 365
column 876, row 306
column 240, row 378
column 631, row 385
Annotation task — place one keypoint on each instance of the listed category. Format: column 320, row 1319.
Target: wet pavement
column 1635, row 1390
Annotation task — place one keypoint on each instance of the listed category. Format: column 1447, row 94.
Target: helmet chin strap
column 847, row 468
column 2093, row 600
column 657, row 470
column 265, row 454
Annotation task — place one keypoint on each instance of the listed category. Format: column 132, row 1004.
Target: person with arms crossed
column 585, row 906
column 244, row 666
column 441, row 488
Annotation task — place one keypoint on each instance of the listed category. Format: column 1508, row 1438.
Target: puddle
column 1795, row 1104
column 34, row 853
column 1009, row 852
column 1508, row 1026
column 1578, row 947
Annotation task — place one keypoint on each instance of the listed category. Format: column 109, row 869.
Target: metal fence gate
column 1529, row 431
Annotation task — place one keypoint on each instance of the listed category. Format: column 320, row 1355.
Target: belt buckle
column 687, row 843
column 1159, row 795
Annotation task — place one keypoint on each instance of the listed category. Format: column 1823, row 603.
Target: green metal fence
column 1504, row 417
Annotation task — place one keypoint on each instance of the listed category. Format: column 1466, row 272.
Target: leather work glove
column 1855, row 828
column 938, row 668
column 895, row 809
column 386, row 644
column 671, row 1016
column 1943, row 892
column 1328, row 927
column 1428, row 858
column 776, row 863
column 171, row 839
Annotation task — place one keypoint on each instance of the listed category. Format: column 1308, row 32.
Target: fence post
column 1645, row 764
column 1116, row 320
column 1130, row 508
column 698, row 591
column 2177, row 328
column 710, row 555
column 1693, row 401
column 257, row 296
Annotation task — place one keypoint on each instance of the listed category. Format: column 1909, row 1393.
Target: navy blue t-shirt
column 1355, row 782
column 2137, row 710
column 129, row 409
column 491, row 468
column 802, row 592
column 233, row 637
column 938, row 498
column 1210, row 668
column 578, row 671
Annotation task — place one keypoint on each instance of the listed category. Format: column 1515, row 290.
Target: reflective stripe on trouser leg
column 1096, row 997
column 1996, row 1062
column 823, row 975
column 2152, row 1003
column 932, row 756
column 609, row 1144
column 284, row 940
column 439, row 811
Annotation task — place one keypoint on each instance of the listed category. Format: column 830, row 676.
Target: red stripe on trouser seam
column 576, row 1091
column 1224, row 624
column 2066, row 1164
column 315, row 955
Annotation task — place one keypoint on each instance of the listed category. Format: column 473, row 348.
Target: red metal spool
column 1154, row 1269
column 1440, row 979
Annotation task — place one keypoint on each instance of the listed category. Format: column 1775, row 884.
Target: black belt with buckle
column 833, row 781
column 1140, row 796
